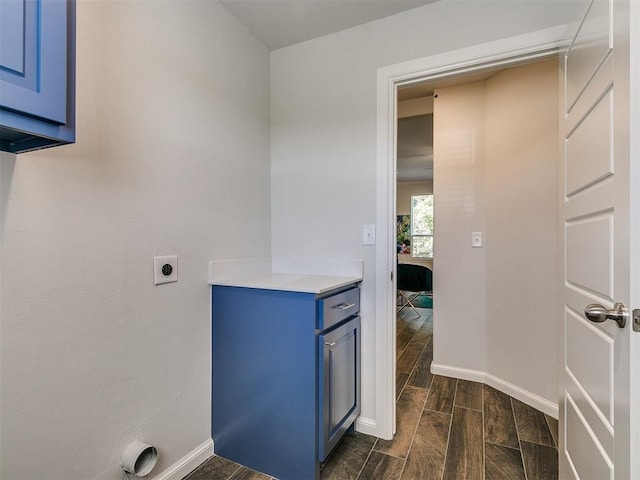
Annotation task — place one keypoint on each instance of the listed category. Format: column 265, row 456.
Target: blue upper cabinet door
column 34, row 57
column 37, row 79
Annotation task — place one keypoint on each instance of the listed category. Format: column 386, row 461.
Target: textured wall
column 172, row 157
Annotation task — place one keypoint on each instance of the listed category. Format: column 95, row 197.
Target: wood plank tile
column 402, row 340
column 401, row 381
column 532, row 426
column 215, row 468
column 409, row 322
column 499, row 424
column 412, row 328
column 348, row 458
column 502, row 463
column 384, row 466
column 424, row 333
column 427, row 314
column 469, row 395
column 540, row 461
column 427, row 454
column 409, row 356
column 408, row 410
column 553, row 428
column 465, row 449
column 245, row 473
column 441, row 394
column 421, row 375
column 401, row 324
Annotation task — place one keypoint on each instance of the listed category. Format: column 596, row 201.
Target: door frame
column 501, row 53
column 634, row 221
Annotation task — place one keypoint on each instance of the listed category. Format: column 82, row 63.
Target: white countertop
column 290, row 282
column 306, row 275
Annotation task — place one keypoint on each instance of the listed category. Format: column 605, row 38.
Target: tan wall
column 496, row 169
column 522, row 224
column 404, row 191
column 415, row 106
column 459, row 272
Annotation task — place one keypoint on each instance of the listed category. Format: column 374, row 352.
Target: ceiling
column 281, row 23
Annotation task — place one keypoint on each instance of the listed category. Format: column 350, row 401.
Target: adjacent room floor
column 446, row 429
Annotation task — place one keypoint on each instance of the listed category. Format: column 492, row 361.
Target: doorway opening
column 496, row 165
column 454, row 67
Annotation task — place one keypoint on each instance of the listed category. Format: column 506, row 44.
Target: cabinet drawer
column 332, row 310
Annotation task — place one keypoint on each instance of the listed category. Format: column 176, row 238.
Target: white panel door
column 595, row 412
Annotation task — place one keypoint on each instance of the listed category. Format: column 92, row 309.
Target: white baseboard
column 367, row 426
column 188, row 463
column 531, row 399
column 457, row 372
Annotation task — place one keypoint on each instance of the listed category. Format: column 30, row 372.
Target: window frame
column 421, row 235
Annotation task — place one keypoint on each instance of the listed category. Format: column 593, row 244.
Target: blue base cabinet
column 37, row 74
column 285, row 376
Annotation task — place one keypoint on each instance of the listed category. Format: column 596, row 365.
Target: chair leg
column 407, row 302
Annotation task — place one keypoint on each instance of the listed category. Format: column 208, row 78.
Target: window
column 422, row 226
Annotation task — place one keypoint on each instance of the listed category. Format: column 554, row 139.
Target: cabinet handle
column 344, row 306
column 332, row 344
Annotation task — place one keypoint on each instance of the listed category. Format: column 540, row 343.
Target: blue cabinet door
column 34, row 57
column 37, row 46
column 339, row 376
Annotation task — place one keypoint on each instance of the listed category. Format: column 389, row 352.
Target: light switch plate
column 165, row 269
column 476, row 239
column 368, row 234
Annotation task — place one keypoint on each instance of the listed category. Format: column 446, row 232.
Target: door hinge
column 636, row 320
column 392, row 275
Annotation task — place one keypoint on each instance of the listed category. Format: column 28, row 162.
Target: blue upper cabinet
column 37, row 74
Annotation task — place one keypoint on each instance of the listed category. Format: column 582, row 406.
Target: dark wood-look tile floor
column 447, row 429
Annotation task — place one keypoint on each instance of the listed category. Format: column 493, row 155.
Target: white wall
column 323, row 120
column 172, row 157
column 496, row 171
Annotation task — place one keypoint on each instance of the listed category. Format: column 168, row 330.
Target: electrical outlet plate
column 476, row 239
column 368, row 234
column 159, row 276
